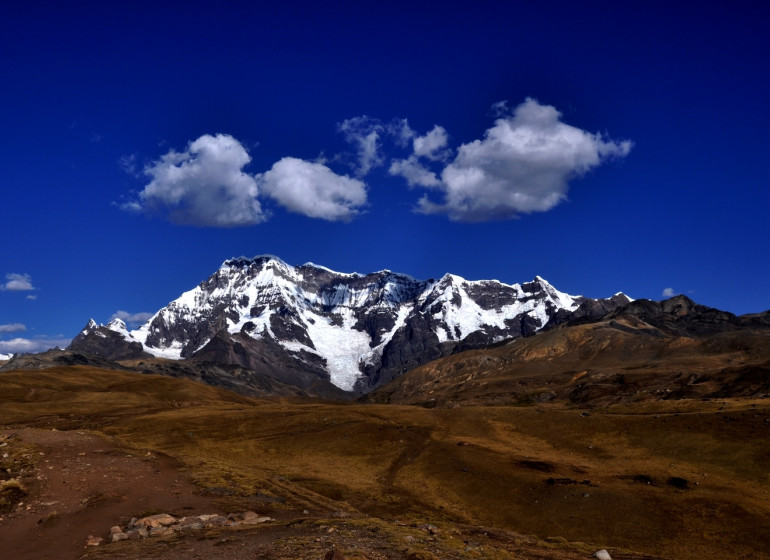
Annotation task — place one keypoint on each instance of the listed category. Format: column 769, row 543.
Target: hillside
column 643, row 351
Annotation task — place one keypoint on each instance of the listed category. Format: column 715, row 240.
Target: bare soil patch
column 82, row 484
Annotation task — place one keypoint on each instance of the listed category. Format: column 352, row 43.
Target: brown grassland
column 676, row 479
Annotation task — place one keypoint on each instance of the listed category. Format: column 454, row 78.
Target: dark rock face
column 680, row 316
column 264, row 356
column 588, row 311
column 308, row 324
column 107, row 343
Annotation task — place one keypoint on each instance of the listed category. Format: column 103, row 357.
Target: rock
column 94, row 541
column 602, row 555
column 216, row 520
column 120, row 536
column 252, row 518
column 255, row 520
column 428, row 528
column 161, row 531
column 159, row 520
column 115, row 530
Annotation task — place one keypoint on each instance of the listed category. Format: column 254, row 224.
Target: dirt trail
column 84, row 484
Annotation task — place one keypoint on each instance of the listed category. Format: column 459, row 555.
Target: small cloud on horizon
column 12, row 328
column 31, row 346
column 17, row 283
column 668, row 292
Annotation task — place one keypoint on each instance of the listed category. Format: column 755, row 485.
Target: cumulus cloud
column 12, row 327
column 364, row 133
column 414, row 172
column 203, row 186
column 523, row 164
column 313, row 189
column 432, row 144
column 401, row 132
column 668, row 292
column 26, row 345
column 17, row 283
column 131, row 319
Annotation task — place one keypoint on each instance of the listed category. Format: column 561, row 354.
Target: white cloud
column 432, row 144
column 12, row 327
column 414, row 172
column 401, row 132
column 131, row 319
column 313, row 189
column 26, row 345
column 203, row 185
column 523, row 164
column 668, row 292
column 17, row 283
column 32, row 297
column 364, row 133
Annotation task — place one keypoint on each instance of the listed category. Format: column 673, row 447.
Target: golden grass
column 539, row 470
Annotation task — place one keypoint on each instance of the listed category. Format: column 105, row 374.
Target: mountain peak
column 357, row 331
column 243, row 262
column 116, row 325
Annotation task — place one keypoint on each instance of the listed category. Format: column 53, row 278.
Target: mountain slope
column 644, row 350
column 308, row 323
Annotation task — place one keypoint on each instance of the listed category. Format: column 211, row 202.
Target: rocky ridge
column 306, row 324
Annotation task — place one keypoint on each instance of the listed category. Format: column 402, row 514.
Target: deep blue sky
column 96, row 99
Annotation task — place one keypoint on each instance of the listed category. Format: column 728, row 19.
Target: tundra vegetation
column 674, row 479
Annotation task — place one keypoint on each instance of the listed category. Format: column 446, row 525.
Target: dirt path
column 82, row 485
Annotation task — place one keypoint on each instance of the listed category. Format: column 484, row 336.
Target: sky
column 605, row 147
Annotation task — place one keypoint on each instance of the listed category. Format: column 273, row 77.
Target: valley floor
column 90, row 449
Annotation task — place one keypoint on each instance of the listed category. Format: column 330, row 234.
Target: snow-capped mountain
column 356, row 330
